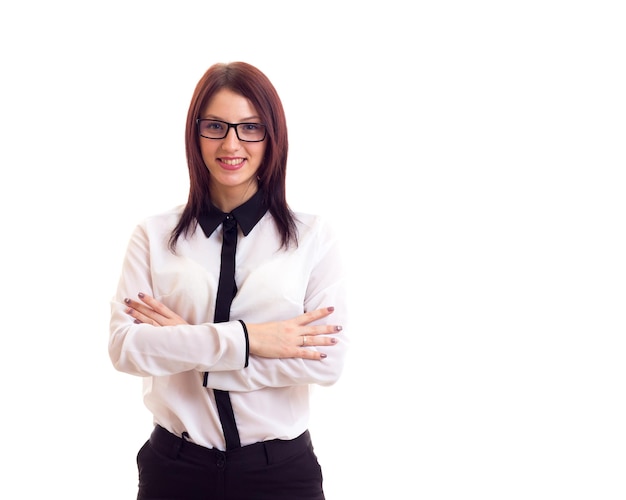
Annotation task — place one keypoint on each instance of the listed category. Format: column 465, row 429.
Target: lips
column 232, row 163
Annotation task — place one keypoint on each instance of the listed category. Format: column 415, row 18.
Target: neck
column 230, row 198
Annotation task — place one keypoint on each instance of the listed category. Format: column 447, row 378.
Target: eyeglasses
column 217, row 129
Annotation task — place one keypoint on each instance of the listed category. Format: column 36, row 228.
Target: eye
column 213, row 125
column 252, row 127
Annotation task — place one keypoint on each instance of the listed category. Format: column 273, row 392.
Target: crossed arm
column 274, row 339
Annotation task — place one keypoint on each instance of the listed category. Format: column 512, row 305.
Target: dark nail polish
column 127, row 300
column 338, row 328
column 322, row 355
column 331, row 309
column 140, row 295
column 333, row 341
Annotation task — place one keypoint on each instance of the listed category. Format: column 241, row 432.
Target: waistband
column 263, row 453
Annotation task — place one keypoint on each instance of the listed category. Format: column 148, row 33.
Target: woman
column 224, row 307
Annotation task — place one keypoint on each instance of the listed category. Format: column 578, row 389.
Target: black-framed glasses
column 217, row 129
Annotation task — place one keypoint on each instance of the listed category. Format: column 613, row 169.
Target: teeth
column 236, row 161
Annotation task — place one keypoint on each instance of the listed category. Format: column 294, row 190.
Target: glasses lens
column 212, row 129
column 251, row 132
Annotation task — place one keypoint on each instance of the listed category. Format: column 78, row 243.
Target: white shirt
column 270, row 397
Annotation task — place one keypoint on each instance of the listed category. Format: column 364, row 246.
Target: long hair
column 248, row 81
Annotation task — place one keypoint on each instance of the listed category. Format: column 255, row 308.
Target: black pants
column 171, row 468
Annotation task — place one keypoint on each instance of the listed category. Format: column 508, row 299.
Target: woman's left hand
column 152, row 312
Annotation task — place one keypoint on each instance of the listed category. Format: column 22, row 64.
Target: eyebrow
column 249, row 119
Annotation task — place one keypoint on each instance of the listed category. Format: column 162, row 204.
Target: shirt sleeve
column 326, row 287
column 146, row 350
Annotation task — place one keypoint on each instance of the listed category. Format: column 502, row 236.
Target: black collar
column 246, row 215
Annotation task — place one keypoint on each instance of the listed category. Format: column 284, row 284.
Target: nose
column 231, row 141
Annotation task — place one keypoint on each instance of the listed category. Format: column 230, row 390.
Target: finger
column 157, row 306
column 317, row 341
column 144, row 311
column 155, row 311
column 144, row 314
column 311, row 354
column 311, row 316
column 141, row 318
column 321, row 330
column 133, row 303
column 138, row 306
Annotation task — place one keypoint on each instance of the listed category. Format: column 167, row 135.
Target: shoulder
column 314, row 225
column 307, row 221
column 162, row 222
column 165, row 217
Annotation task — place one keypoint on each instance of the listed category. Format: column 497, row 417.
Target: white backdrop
column 472, row 154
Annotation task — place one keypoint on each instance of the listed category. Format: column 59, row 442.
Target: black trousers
column 172, row 468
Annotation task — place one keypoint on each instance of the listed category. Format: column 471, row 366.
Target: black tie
column 226, row 290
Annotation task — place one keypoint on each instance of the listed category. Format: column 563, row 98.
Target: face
column 233, row 164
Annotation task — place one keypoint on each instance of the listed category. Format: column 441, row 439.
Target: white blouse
column 270, row 397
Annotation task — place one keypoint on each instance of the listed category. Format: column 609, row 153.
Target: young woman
column 230, row 307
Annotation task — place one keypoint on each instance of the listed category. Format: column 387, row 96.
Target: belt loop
column 181, row 442
column 267, row 454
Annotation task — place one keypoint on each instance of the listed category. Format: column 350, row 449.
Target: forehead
column 229, row 106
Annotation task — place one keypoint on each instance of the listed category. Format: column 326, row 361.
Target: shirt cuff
column 245, row 333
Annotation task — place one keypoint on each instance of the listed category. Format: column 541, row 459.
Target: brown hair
column 251, row 83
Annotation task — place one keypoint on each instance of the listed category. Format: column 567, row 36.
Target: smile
column 232, row 161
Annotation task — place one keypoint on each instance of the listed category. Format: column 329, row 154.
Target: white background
column 472, row 154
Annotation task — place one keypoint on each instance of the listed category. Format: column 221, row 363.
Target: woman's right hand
column 292, row 337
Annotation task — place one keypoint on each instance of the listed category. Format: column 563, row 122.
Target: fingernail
column 322, row 355
column 338, row 328
column 331, row 309
column 127, row 300
column 333, row 341
column 140, row 295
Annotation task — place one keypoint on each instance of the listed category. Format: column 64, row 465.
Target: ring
column 304, row 340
